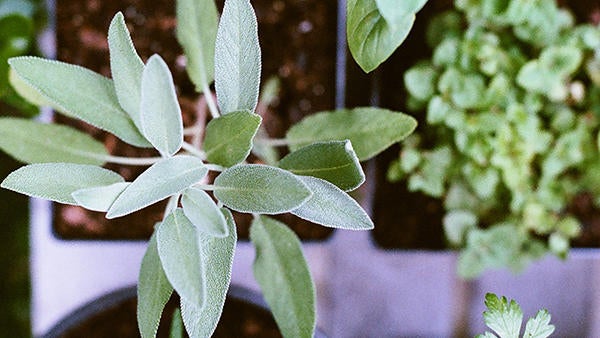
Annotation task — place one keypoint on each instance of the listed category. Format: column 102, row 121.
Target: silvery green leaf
column 256, row 188
column 99, row 198
column 163, row 179
column 153, row 291
column 196, row 32
column 393, row 10
column 237, row 58
column 78, row 92
column 57, row 181
column 371, row 130
column 228, row 138
column 126, row 68
column 179, row 252
column 159, row 109
column 283, row 275
column 333, row 161
column 332, row 207
column 34, row 142
column 539, row 326
column 204, row 214
column 217, row 255
column 26, row 91
column 176, row 325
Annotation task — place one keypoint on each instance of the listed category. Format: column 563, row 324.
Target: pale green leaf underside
column 503, row 316
column 80, row 93
column 126, row 68
column 57, row 181
column 27, row 91
column 159, row 109
column 332, row 207
column 34, row 142
column 197, row 22
column 394, row 11
column 163, row 179
column 333, row 161
column 99, row 198
column 217, row 255
column 228, row 139
column 237, row 58
column 256, row 188
column 539, row 326
column 154, row 291
column 204, row 214
column 283, row 275
column 371, row 130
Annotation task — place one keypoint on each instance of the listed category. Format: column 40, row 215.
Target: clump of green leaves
column 510, row 97
column 505, row 319
column 191, row 251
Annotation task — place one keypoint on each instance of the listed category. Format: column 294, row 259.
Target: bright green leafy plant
column 191, row 251
column 510, row 95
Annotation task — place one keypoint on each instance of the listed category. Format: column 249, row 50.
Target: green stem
column 207, row 187
column 137, row 161
column 273, row 142
column 210, row 101
column 214, row 167
column 171, row 205
column 193, row 150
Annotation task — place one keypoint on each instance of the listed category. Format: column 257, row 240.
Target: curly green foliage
column 510, row 99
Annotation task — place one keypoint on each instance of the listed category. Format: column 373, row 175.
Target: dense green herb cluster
column 511, row 101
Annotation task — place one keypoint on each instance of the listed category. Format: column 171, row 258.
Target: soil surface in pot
column 298, row 45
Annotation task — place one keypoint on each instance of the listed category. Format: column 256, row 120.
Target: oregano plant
column 192, row 248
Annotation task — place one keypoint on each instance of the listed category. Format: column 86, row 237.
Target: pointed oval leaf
column 228, row 139
column 282, row 273
column 126, row 68
column 257, row 188
column 332, row 207
column 57, row 181
column 237, row 58
column 371, row 130
column 153, row 291
column 217, row 255
column 333, row 161
column 163, row 179
column 196, row 29
column 179, row 252
column 204, row 214
column 159, row 109
column 99, row 198
column 34, row 142
column 80, row 93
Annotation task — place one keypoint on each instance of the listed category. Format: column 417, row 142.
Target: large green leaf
column 228, row 139
column 78, row 92
column 332, row 207
column 159, row 109
column 196, row 29
column 57, row 181
column 237, row 58
column 99, row 198
column 281, row 270
column 179, row 252
column 371, row 130
column 217, row 255
column 153, row 291
column 34, row 142
column 204, row 214
column 333, row 161
column 163, row 179
column 126, row 68
column 257, row 188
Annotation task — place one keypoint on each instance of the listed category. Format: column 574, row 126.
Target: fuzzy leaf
column 34, row 142
column 228, row 139
column 153, row 291
column 126, row 68
column 237, row 58
column 282, row 273
column 163, row 179
column 179, row 251
column 57, row 181
column 371, row 130
column 256, row 188
column 196, row 32
column 204, row 214
column 159, row 109
column 539, row 326
column 332, row 207
column 333, row 161
column 99, row 198
column 80, row 93
column 217, row 255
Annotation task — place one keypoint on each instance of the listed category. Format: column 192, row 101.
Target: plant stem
column 210, row 101
column 137, row 161
column 193, row 150
column 207, row 187
column 214, row 167
column 171, row 205
column 273, row 142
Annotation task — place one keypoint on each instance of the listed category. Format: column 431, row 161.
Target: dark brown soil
column 298, row 45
